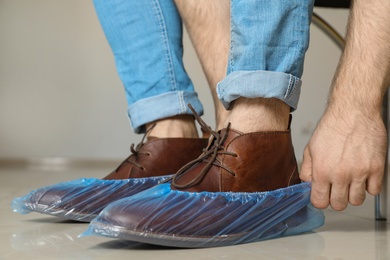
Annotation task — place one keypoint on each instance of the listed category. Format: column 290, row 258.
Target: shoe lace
column 209, row 155
column 135, row 151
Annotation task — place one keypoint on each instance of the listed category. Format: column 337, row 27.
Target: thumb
column 306, row 168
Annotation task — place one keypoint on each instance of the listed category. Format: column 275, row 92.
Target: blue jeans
column 269, row 39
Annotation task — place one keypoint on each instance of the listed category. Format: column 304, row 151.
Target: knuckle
column 376, row 169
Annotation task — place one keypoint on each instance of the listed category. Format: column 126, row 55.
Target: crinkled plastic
column 174, row 218
column 81, row 199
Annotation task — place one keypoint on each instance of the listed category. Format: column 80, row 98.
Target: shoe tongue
column 230, row 135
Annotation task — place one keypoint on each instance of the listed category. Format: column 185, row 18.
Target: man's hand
column 344, row 158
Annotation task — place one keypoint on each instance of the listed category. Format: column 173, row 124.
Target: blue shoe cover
column 81, row 199
column 175, row 218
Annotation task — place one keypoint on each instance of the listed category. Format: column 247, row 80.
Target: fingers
column 320, row 190
column 335, row 184
column 357, row 193
column 339, row 196
column 337, row 193
column 306, row 168
column 374, row 183
column 343, row 193
column 320, row 194
column 343, row 165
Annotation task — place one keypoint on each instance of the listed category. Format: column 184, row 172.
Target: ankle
column 259, row 114
column 174, row 127
column 221, row 117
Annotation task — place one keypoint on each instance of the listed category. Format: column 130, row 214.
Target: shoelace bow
column 135, row 152
column 208, row 156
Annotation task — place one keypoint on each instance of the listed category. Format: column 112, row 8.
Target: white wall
column 60, row 94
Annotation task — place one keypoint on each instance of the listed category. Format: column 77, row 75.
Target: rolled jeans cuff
column 260, row 84
column 162, row 106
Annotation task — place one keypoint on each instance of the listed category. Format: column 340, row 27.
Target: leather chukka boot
column 243, row 188
column 150, row 163
column 158, row 157
column 238, row 162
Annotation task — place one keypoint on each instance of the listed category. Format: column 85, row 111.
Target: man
column 260, row 46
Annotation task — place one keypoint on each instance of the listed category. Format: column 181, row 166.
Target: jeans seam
column 292, row 86
column 288, row 91
column 164, row 38
column 230, row 62
column 296, row 28
column 181, row 101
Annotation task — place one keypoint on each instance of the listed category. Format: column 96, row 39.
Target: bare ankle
column 259, row 114
column 174, row 127
column 221, row 116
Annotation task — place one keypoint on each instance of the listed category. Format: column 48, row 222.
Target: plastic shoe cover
column 174, row 218
column 81, row 199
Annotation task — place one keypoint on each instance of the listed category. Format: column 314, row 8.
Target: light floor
column 35, row 236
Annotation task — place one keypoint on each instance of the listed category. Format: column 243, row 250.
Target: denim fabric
column 146, row 39
column 269, row 39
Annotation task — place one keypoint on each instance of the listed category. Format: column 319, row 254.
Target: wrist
column 351, row 98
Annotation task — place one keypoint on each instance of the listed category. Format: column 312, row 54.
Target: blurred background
column 60, row 95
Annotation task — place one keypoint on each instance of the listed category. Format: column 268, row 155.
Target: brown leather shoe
column 158, row 157
column 149, row 164
column 218, row 199
column 238, row 162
